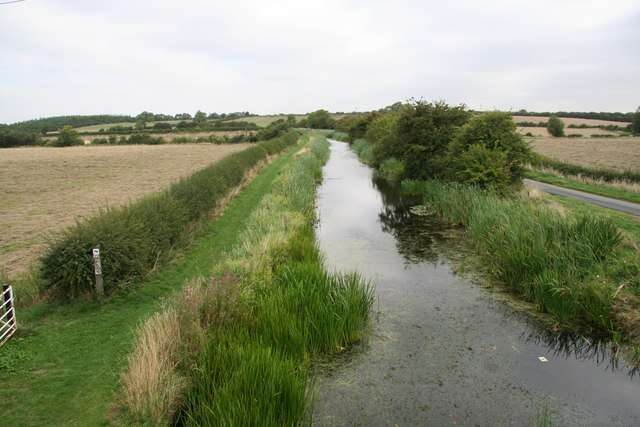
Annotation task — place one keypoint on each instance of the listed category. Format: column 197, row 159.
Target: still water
column 442, row 349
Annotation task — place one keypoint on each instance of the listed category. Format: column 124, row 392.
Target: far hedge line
column 134, row 238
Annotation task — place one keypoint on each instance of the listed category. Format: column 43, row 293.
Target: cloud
column 69, row 57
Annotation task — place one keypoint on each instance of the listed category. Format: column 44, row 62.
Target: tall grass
column 364, row 150
column 135, row 238
column 248, row 349
column 557, row 262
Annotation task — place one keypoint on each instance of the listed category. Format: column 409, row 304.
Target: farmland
column 46, row 189
column 569, row 121
column 609, row 153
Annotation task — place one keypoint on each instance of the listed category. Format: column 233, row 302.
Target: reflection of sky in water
column 361, row 230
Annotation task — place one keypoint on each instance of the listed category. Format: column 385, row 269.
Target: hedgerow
column 134, row 238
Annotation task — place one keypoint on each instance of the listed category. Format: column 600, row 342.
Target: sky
column 61, row 57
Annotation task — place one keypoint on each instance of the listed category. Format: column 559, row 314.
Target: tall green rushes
column 134, row 238
column 554, row 261
column 249, row 334
column 256, row 372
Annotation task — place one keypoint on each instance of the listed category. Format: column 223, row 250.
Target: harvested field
column 46, row 189
column 537, row 131
column 569, row 121
column 96, row 128
column 609, row 153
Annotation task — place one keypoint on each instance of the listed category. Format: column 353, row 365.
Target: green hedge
column 133, row 238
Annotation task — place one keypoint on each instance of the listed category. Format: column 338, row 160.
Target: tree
column 635, row 124
column 67, row 137
column 200, row 117
column 488, row 150
column 320, row 119
column 555, row 126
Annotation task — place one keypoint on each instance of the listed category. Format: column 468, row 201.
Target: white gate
column 7, row 314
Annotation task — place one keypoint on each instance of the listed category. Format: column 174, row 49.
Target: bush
column 144, row 138
column 162, row 126
column 392, row 170
column 483, row 167
column 133, row 238
column 498, row 147
column 422, row 133
column 635, row 124
column 555, row 126
column 67, row 138
column 14, row 138
column 320, row 119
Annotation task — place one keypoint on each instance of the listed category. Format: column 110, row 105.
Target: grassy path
column 65, row 366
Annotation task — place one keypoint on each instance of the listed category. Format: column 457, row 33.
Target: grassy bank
column 246, row 336
column 571, row 266
column 614, row 189
column 64, row 366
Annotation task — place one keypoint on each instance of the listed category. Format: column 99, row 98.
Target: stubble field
column 44, row 190
column 609, row 153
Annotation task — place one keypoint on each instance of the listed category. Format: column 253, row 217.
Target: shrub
column 555, row 126
column 320, row 119
column 392, row 169
column 162, row 126
column 483, row 167
column 144, row 138
column 67, row 138
column 381, row 134
column 14, row 138
column 503, row 154
column 422, row 133
column 635, row 124
column 99, row 141
column 134, row 237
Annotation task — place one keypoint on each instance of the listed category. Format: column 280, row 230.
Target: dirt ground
column 536, row 131
column 43, row 190
column 610, row 153
column 568, row 121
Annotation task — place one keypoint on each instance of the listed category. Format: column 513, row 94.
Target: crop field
column 46, row 189
column 610, row 153
column 264, row 121
column 542, row 132
column 569, row 121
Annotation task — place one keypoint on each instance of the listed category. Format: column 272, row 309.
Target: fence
column 7, row 314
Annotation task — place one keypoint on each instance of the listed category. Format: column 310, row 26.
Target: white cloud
column 66, row 57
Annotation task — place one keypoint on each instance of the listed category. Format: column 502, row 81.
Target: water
column 443, row 350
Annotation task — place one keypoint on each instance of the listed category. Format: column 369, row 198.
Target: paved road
column 605, row 202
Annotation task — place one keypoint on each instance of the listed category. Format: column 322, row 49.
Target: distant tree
column 67, row 137
column 555, row 126
column 162, row 126
column 200, row 117
column 291, row 120
column 183, row 116
column 141, row 124
column 635, row 124
column 320, row 119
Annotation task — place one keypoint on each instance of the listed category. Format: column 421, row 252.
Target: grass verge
column 248, row 336
column 602, row 189
column 63, row 367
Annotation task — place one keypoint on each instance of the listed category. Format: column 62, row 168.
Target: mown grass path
column 65, row 366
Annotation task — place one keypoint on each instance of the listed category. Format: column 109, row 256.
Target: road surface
column 605, row 202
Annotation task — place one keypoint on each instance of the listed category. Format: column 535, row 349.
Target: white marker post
column 97, row 269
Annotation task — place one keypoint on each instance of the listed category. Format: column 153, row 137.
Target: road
column 605, row 202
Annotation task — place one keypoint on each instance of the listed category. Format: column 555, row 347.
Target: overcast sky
column 87, row 57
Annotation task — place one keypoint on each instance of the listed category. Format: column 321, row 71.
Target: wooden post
column 7, row 292
column 97, row 269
